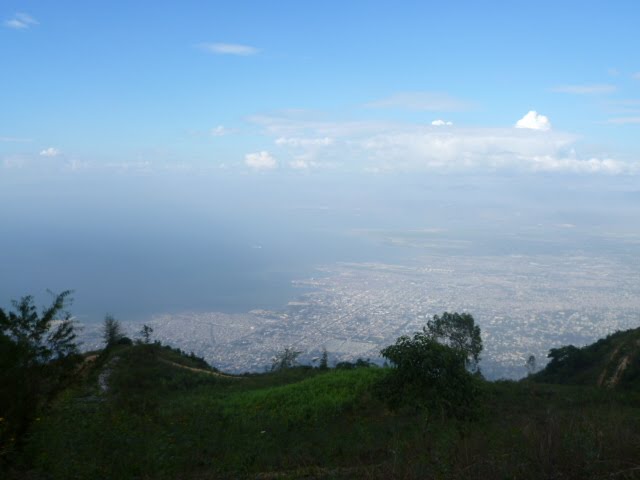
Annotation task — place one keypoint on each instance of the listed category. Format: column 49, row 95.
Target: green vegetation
column 148, row 411
column 457, row 330
column 613, row 361
column 430, row 375
column 37, row 356
column 288, row 358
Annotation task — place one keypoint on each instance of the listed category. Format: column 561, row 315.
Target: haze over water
column 142, row 245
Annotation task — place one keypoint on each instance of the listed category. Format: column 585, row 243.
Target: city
column 525, row 305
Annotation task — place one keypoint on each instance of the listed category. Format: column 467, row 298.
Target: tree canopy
column 428, row 373
column 37, row 353
column 457, row 330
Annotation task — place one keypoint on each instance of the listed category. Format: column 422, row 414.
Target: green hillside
column 612, row 362
column 142, row 410
column 164, row 416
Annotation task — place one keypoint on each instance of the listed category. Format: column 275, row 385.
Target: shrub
column 426, row 373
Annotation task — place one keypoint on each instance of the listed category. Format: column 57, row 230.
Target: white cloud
column 441, row 123
column 229, row 49
column 426, row 101
column 260, row 160
column 391, row 147
column 299, row 164
column 636, row 76
column 574, row 165
column 584, row 89
column 220, row 131
column 534, row 121
column 304, row 142
column 50, row 152
column 21, row 21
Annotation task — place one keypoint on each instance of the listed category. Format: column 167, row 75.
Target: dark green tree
column 44, row 337
column 146, row 333
column 288, row 358
column 38, row 354
column 427, row 373
column 530, row 365
column 111, row 331
column 324, row 360
column 459, row 331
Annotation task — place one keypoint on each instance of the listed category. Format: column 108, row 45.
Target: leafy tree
column 112, row 331
column 324, row 360
column 530, row 365
column 40, row 337
column 457, row 330
column 146, row 333
column 428, row 374
column 288, row 358
column 38, row 353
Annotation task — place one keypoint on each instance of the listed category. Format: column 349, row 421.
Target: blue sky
column 255, row 87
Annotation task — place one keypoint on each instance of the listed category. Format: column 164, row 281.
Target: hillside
column 611, row 362
column 150, row 412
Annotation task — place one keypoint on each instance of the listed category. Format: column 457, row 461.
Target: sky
column 331, row 88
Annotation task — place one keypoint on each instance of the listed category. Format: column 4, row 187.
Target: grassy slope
column 610, row 362
column 159, row 421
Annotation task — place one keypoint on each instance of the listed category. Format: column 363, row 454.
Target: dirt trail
column 603, row 375
column 201, row 370
column 615, row 377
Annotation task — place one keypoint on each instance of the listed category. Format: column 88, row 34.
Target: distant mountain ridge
column 611, row 362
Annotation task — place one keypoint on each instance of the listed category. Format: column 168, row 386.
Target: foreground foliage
column 147, row 411
column 160, row 420
column 38, row 354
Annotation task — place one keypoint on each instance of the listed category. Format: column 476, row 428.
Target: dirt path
column 201, row 370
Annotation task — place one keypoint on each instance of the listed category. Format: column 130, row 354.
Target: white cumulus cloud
column 229, row 49
column 50, row 152
column 20, row 21
column 441, row 123
column 260, row 160
column 534, row 121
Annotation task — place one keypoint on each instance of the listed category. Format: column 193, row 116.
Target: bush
column 426, row 373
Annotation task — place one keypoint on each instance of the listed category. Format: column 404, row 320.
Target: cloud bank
column 529, row 146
